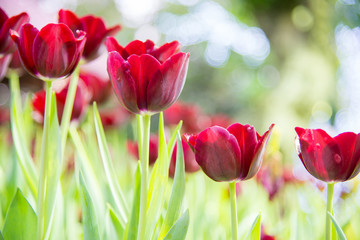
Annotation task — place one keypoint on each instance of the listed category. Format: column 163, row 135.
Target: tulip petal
column 349, row 144
column 143, row 69
column 122, row 81
column 320, row 153
column 3, row 17
column 218, row 154
column 70, row 19
column 25, row 45
column 54, row 50
column 247, row 139
column 259, row 153
column 161, row 94
column 191, row 140
column 113, row 45
column 166, row 51
column 96, row 32
column 80, row 44
column 136, row 47
column 14, row 23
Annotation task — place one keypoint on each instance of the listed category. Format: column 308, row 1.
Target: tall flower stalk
column 329, row 209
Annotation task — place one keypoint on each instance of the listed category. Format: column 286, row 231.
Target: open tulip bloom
column 95, row 29
column 146, row 79
column 231, row 154
column 329, row 159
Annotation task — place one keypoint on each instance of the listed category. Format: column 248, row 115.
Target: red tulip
column 133, row 148
column 95, row 29
column 81, row 101
column 326, row 158
column 189, row 159
column 114, row 117
column 6, row 23
column 230, row 154
column 193, row 118
column 4, row 115
column 4, row 64
column 146, row 79
column 53, row 52
column 99, row 88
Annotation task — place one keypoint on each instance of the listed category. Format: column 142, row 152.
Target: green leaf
column 171, row 142
column 90, row 224
column 158, row 181
column 132, row 226
column 119, row 229
column 89, row 175
column 18, row 135
column 339, row 231
column 115, row 189
column 20, row 221
column 1, row 236
column 255, row 231
column 177, row 193
column 179, row 230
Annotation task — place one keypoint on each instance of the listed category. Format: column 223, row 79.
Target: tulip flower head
column 146, row 79
column 95, row 29
column 329, row 159
column 6, row 44
column 230, row 154
column 51, row 53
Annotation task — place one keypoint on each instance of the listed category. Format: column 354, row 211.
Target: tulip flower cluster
column 146, row 80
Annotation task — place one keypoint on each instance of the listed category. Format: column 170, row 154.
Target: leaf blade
column 179, row 230
column 338, row 229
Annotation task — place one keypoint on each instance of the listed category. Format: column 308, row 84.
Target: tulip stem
column 144, row 151
column 234, row 221
column 41, row 224
column 329, row 208
column 69, row 103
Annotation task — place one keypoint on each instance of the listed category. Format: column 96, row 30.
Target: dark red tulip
column 114, row 117
column 193, row 118
column 60, row 88
column 95, row 29
column 329, row 159
column 51, row 53
column 133, row 148
column 100, row 88
column 4, row 64
column 6, row 44
column 230, row 154
column 146, row 79
column 189, row 159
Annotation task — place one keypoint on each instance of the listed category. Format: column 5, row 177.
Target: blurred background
column 292, row 63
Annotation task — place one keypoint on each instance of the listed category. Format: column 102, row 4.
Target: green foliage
column 21, row 220
column 90, row 224
column 255, row 231
column 179, row 229
column 339, row 231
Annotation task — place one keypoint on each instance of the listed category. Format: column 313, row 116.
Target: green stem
column 41, row 224
column 329, row 204
column 69, row 103
column 144, row 174
column 234, row 221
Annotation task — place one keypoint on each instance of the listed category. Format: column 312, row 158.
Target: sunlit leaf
column 119, row 229
column 339, row 231
column 177, row 193
column 179, row 230
column 115, row 189
column 21, row 220
column 132, row 226
column 255, row 231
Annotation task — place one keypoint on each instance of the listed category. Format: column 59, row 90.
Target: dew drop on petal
column 317, row 146
column 337, row 158
column 249, row 129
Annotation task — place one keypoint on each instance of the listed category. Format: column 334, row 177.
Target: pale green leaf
column 158, row 181
column 89, row 219
column 18, row 135
column 177, row 193
column 339, row 231
column 20, row 221
column 255, row 231
column 132, row 226
column 179, row 230
column 1, row 236
column 119, row 229
column 115, row 189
